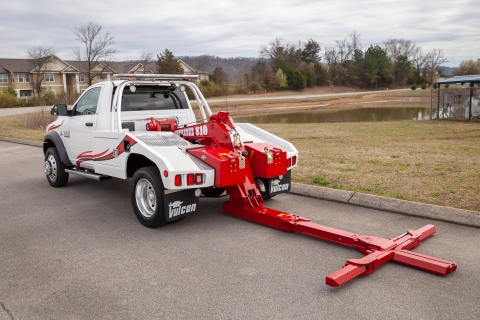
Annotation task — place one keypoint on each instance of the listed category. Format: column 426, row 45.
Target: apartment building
column 64, row 76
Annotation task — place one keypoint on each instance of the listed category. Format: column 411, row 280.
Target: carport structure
column 456, row 103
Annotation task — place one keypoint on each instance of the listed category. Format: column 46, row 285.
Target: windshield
column 138, row 98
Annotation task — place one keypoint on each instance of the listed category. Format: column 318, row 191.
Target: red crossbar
column 246, row 203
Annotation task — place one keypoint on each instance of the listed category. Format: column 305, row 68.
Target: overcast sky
column 239, row 28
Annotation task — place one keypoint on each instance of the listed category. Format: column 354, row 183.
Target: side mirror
column 59, row 110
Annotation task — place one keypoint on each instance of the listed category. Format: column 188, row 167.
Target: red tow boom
column 264, row 161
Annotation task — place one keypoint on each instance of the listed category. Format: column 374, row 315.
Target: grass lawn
column 434, row 162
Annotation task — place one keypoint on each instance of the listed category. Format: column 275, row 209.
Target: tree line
column 397, row 62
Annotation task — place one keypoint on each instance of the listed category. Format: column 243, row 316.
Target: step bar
column 88, row 174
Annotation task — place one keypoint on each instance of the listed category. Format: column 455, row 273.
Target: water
column 341, row 115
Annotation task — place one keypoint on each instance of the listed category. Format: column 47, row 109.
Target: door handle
column 89, row 124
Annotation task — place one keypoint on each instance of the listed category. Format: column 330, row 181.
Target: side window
column 88, row 102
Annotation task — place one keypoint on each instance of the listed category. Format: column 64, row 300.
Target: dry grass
column 15, row 127
column 433, row 162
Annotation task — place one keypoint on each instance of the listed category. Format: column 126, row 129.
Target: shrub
column 38, row 120
column 255, row 87
column 435, row 86
column 413, row 86
column 7, row 100
column 424, row 86
column 210, row 89
column 21, row 102
column 446, row 86
column 10, row 91
column 296, row 80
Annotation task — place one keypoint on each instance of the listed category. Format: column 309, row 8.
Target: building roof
column 475, row 78
column 74, row 66
column 15, row 65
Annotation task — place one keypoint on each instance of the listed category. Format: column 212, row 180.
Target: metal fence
column 455, row 104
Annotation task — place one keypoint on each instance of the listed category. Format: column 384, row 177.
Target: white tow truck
column 143, row 127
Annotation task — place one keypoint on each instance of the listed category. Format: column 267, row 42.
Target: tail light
column 178, row 180
column 190, row 179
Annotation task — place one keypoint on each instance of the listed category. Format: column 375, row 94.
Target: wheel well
column 47, row 144
column 136, row 161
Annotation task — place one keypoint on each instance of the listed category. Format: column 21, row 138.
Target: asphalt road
column 78, row 252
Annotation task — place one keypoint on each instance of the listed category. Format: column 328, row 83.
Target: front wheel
column 147, row 197
column 55, row 169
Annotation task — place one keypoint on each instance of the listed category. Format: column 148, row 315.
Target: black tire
column 265, row 195
column 147, row 197
column 213, row 192
column 55, row 169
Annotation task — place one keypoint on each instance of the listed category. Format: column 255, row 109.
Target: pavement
column 78, row 252
column 14, row 111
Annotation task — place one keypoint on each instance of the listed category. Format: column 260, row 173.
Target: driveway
column 78, row 252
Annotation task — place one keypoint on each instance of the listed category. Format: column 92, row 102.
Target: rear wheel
column 55, row 169
column 147, row 197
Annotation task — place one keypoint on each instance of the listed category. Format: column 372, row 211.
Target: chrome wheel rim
column 146, row 198
column 50, row 168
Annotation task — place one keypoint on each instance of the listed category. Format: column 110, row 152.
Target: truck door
column 77, row 134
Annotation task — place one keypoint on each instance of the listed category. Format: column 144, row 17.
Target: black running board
column 88, row 174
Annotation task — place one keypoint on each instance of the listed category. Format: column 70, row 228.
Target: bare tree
column 467, row 67
column 145, row 59
column 418, row 59
column 355, row 40
column 96, row 51
column 399, row 47
column 40, row 59
column 201, row 63
column 337, row 55
column 276, row 49
column 433, row 61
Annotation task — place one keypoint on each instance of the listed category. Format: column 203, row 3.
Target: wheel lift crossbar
column 377, row 250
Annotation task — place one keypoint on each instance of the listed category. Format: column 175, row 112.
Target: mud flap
column 179, row 204
column 280, row 184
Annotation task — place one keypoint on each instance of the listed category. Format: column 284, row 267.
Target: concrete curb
column 30, row 143
column 417, row 209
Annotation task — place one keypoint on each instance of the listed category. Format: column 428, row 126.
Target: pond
column 368, row 114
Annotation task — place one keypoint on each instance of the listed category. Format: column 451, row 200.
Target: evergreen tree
column 310, row 52
column 167, row 64
column 402, row 69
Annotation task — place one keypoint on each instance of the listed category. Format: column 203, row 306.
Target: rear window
column 140, row 98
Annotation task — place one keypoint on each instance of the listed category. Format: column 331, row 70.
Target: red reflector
column 198, row 178
column 190, row 179
column 294, row 160
column 178, row 180
column 165, row 174
column 289, row 162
